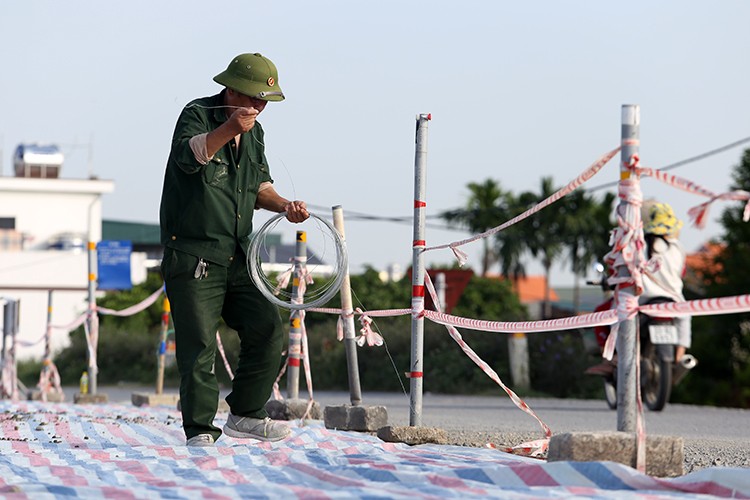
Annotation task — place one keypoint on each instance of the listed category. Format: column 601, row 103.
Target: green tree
column 127, row 345
column 722, row 343
column 511, row 242
column 544, row 235
column 486, row 208
column 586, row 223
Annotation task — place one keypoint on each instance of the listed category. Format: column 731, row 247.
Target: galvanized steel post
column 161, row 359
column 48, row 329
column 417, row 274
column 626, row 340
column 347, row 318
column 295, row 318
column 92, row 320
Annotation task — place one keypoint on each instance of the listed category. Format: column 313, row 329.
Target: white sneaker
column 201, row 440
column 262, row 429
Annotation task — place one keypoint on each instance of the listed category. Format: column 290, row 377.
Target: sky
column 517, row 91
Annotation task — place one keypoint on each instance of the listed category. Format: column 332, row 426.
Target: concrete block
column 152, row 399
column 355, row 418
column 98, row 398
column 413, row 435
column 664, row 454
column 292, row 409
column 223, row 406
column 52, row 397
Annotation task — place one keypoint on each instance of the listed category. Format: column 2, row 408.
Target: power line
column 683, row 162
column 359, row 216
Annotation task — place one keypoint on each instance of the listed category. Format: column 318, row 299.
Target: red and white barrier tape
column 220, row 347
column 535, row 448
column 582, row 178
column 699, row 213
column 49, row 380
column 583, row 321
column 700, row 307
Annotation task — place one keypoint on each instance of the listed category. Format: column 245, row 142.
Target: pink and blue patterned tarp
column 119, row 451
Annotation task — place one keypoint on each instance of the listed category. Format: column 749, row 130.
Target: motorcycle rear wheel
column 656, row 379
column 610, row 392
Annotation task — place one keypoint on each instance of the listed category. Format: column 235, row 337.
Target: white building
column 45, row 224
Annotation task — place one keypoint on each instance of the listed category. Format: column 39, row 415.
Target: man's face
column 251, row 102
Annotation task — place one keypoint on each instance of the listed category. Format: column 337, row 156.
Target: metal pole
column 347, row 316
column 6, row 328
column 161, row 360
column 440, row 291
column 5, row 391
column 48, row 331
column 295, row 319
column 417, row 274
column 626, row 341
column 91, row 320
column 16, row 306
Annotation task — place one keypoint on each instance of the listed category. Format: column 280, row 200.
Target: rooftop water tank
column 41, row 162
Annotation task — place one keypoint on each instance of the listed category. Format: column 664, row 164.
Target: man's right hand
column 243, row 120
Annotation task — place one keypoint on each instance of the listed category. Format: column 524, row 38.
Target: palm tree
column 486, row 208
column 511, row 242
column 587, row 224
column 544, row 236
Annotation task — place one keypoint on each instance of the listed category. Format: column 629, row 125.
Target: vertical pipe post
column 16, row 306
column 162, row 355
column 48, row 330
column 440, row 291
column 626, row 341
column 347, row 318
column 417, row 274
column 93, row 339
column 6, row 322
column 295, row 319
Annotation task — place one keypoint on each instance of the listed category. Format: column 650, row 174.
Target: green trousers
column 197, row 306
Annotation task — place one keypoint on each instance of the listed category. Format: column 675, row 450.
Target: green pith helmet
column 252, row 75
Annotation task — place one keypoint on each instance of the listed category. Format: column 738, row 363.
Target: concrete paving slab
column 98, row 398
column 355, row 418
column 293, row 409
column 153, row 399
column 413, row 435
column 664, row 454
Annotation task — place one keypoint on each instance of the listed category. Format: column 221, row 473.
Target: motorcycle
column 658, row 370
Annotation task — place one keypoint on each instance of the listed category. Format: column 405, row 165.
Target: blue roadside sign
column 113, row 261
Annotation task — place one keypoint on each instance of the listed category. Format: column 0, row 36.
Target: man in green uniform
column 217, row 175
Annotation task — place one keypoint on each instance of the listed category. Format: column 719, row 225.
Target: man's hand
column 243, row 120
column 296, row 211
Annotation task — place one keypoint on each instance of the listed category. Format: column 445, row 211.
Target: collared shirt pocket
column 216, row 172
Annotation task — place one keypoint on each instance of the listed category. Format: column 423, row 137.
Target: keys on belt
column 201, row 270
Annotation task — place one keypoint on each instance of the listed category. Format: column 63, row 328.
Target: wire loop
column 321, row 295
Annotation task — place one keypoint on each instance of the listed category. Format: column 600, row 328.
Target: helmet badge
column 270, row 81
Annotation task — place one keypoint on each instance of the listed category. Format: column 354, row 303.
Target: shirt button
column 231, row 259
column 239, row 190
column 174, row 238
column 239, row 216
column 238, row 166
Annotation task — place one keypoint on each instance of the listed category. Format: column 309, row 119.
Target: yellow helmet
column 661, row 220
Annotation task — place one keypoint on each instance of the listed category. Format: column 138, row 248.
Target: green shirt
column 207, row 210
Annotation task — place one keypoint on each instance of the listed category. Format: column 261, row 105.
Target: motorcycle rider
column 663, row 276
